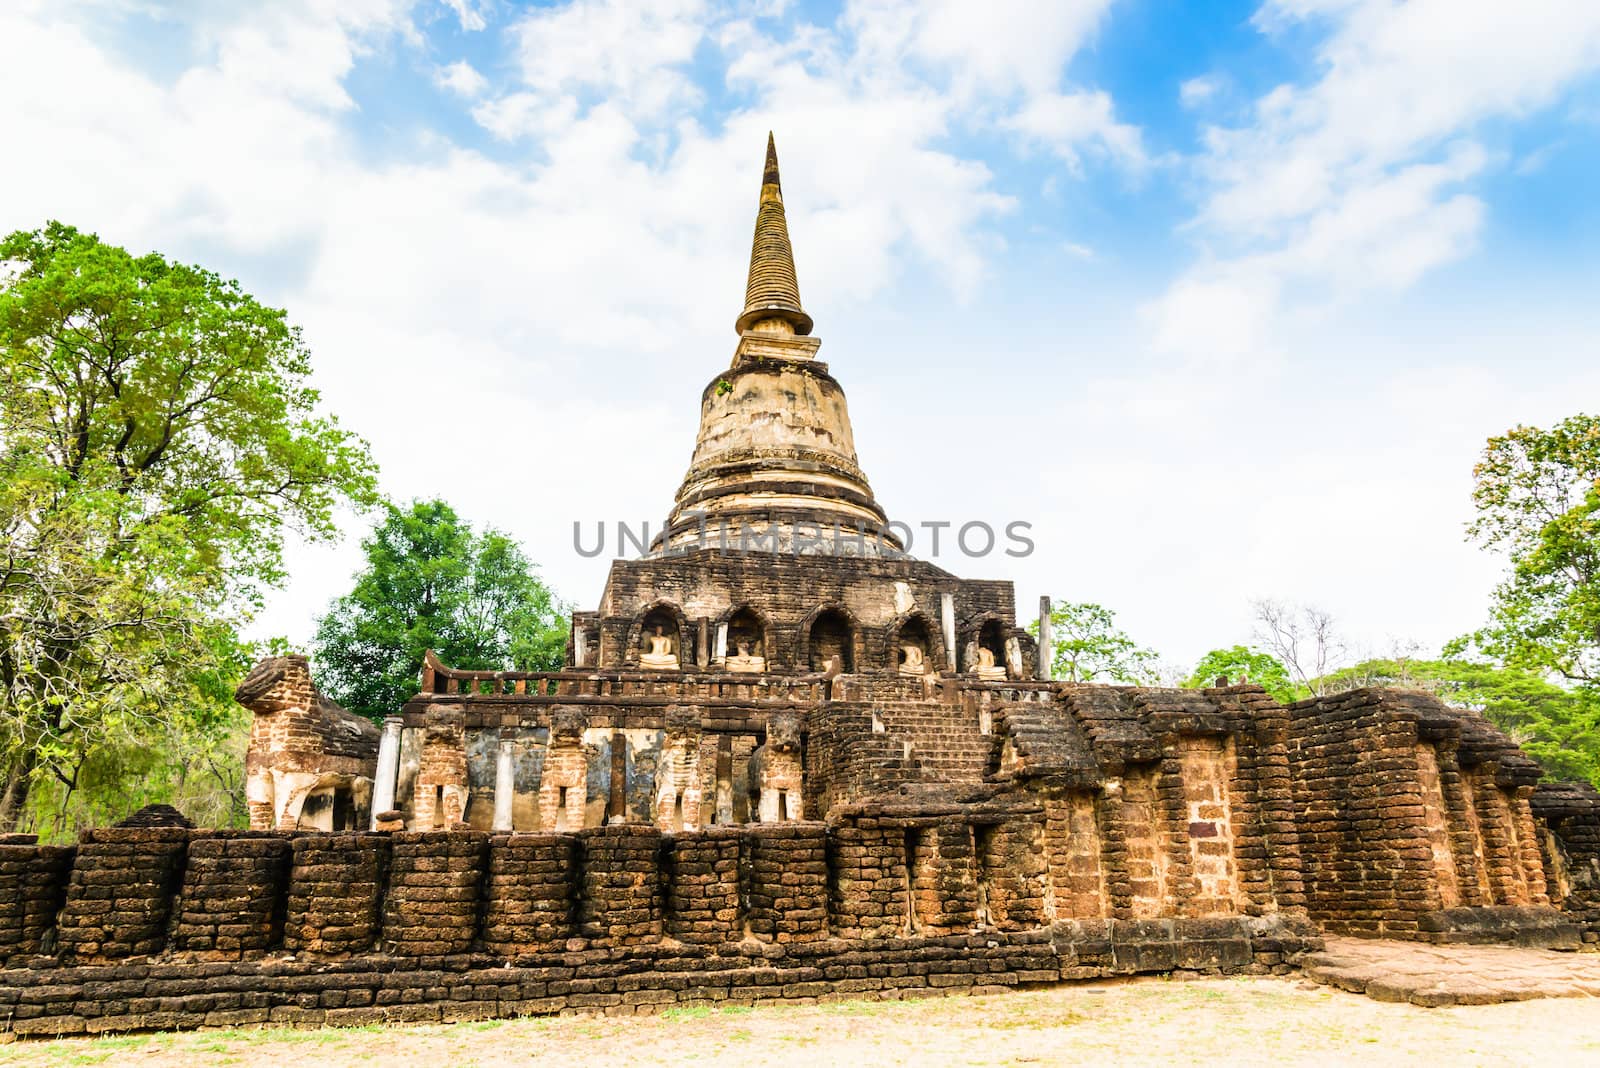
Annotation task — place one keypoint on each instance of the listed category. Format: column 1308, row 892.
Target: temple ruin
column 786, row 760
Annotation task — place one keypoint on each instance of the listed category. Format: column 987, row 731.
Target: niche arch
column 828, row 631
column 670, row 618
column 988, row 631
column 748, row 626
column 915, row 628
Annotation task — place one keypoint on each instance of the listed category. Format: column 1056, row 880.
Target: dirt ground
column 1150, row 1021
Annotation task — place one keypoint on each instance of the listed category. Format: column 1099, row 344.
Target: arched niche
column 661, row 621
column 831, row 634
column 986, row 636
column 992, row 636
column 746, row 628
column 914, row 651
column 746, row 641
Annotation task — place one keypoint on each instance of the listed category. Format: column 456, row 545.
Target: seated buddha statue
column 746, row 661
column 987, row 669
column 661, row 657
column 913, row 661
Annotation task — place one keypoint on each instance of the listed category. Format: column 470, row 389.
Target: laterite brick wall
column 233, row 897
column 121, row 891
column 33, row 886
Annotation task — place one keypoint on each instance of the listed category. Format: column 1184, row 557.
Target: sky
column 1223, row 299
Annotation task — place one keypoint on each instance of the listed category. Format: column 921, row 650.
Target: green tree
column 1556, row 725
column 157, row 440
column 1090, row 647
column 1537, row 494
column 1264, row 669
column 431, row 582
column 191, row 757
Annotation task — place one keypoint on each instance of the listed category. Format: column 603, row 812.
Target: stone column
column 505, row 786
column 1047, row 645
column 383, row 782
column 580, row 647
column 947, row 621
column 719, row 651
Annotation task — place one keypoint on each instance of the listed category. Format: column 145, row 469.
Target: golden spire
column 772, row 293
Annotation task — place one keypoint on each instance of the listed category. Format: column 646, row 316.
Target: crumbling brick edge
column 43, row 999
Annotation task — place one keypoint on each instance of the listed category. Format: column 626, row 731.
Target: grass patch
column 690, row 1012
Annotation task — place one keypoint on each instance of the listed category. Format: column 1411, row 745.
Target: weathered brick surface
column 336, row 885
column 870, row 891
column 434, row 880
column 1012, row 872
column 33, row 887
column 1408, row 809
column 788, row 882
column 50, row 1002
column 1568, row 814
column 620, row 902
column 121, row 892
column 530, row 895
column 1074, row 852
column 701, row 870
column 233, row 894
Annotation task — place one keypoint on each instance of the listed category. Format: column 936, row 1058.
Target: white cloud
column 990, row 48
column 1069, row 122
column 460, row 78
column 1000, row 61
column 468, row 14
column 634, row 56
column 1359, row 179
column 1197, row 91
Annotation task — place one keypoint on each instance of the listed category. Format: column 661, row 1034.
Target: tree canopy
column 158, row 438
column 1537, row 494
column 1241, row 661
column 430, row 581
column 1090, row 647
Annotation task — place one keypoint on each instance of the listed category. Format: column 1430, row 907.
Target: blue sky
column 1223, row 298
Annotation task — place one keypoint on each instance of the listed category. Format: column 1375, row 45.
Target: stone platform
column 1433, row 976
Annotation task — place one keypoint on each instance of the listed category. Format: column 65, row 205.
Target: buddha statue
column 913, row 661
column 987, row 669
column 746, row 661
column 662, row 656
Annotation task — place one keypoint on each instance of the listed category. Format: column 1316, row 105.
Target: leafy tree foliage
column 1556, row 725
column 1090, row 647
column 1537, row 494
column 191, row 758
column 431, row 582
column 157, row 438
column 1238, row 661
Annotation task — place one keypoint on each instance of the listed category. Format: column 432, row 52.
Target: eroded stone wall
column 170, row 995
column 1074, row 848
column 1415, row 819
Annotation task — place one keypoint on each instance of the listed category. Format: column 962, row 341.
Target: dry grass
column 1152, row 1021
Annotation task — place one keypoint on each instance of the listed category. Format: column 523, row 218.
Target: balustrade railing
column 439, row 679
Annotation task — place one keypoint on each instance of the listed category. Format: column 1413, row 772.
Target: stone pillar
column 702, row 646
column 505, row 786
column 1047, row 645
column 947, row 621
column 580, row 647
column 719, row 651
column 383, row 782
